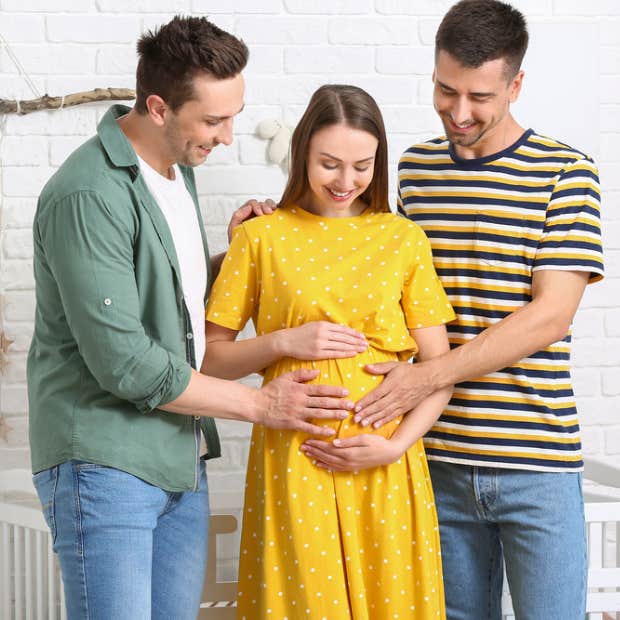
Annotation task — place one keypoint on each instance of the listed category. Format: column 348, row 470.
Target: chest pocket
column 512, row 238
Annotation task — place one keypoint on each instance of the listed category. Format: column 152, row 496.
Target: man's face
column 473, row 103
column 199, row 125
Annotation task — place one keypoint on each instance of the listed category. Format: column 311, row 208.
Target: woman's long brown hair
column 337, row 104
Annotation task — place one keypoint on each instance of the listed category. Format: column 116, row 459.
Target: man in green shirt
column 116, row 402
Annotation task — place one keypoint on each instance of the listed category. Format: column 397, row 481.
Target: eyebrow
column 359, row 161
column 212, row 117
column 475, row 94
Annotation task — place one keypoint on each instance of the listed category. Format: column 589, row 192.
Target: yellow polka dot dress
column 318, row 545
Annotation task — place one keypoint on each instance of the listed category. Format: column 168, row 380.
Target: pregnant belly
column 348, row 373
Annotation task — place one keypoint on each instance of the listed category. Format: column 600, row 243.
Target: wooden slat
column 17, row 565
column 5, row 572
column 51, row 581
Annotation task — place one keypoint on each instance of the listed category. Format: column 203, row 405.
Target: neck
column 355, row 208
column 146, row 140
column 494, row 141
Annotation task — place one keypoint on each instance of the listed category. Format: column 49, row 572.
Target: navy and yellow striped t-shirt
column 492, row 222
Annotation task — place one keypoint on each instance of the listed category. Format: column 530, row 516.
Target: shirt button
column 107, row 301
column 196, row 417
column 189, row 335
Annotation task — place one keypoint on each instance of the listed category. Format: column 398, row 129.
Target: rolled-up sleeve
column 90, row 253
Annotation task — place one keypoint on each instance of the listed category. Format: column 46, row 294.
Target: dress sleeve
column 424, row 301
column 234, row 296
column 571, row 239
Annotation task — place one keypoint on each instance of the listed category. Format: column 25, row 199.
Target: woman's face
column 340, row 165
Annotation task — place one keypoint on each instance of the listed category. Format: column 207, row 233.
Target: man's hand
column 289, row 402
column 404, row 387
column 353, row 453
column 320, row 340
column 250, row 209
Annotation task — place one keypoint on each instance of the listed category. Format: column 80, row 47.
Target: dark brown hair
column 173, row 54
column 476, row 31
column 337, row 104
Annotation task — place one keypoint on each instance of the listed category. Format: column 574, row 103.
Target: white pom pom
column 268, row 128
column 278, row 147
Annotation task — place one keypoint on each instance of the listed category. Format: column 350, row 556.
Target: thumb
column 380, row 369
column 301, row 375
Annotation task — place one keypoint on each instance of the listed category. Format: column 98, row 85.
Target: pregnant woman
column 334, row 281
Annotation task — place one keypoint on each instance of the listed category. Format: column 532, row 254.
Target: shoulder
column 87, row 171
column 435, row 149
column 399, row 224
column 545, row 148
column 265, row 225
column 88, row 181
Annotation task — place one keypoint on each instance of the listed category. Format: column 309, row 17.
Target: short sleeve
column 424, row 301
column 233, row 297
column 571, row 238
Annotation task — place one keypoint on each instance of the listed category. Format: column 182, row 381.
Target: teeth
column 339, row 194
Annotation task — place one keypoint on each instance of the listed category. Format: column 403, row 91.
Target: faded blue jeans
column 532, row 521
column 128, row 550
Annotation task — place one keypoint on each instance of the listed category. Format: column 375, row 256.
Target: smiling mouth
column 340, row 196
column 204, row 149
column 463, row 128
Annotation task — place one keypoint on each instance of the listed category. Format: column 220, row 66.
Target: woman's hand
column 320, row 340
column 353, row 453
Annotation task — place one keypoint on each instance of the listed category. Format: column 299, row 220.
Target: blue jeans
column 532, row 521
column 128, row 550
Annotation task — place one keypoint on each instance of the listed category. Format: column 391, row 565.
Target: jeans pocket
column 45, row 484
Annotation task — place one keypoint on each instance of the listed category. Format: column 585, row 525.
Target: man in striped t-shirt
column 513, row 220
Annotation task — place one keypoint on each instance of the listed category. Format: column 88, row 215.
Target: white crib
column 30, row 586
column 602, row 510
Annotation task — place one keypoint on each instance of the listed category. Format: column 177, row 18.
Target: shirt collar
column 114, row 141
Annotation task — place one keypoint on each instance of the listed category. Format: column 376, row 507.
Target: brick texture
column 385, row 46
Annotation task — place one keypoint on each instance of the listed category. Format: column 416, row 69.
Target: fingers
column 333, row 391
column 365, row 404
column 258, row 207
column 325, row 456
column 382, row 368
column 301, row 375
column 313, row 429
column 381, row 418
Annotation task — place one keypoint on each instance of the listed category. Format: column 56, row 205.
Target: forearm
column 209, row 396
column 519, row 335
column 239, row 358
column 417, row 422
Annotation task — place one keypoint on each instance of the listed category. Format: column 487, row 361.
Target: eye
column 212, row 123
column 329, row 167
column 362, row 169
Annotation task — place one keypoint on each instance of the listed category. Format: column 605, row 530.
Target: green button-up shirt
column 112, row 337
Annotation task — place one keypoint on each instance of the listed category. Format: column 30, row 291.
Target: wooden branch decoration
column 8, row 106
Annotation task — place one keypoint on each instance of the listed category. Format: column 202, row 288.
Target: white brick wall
column 296, row 45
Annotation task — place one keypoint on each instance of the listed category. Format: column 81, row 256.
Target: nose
column 461, row 110
column 345, row 178
column 225, row 135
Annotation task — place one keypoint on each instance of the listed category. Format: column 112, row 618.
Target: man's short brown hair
column 172, row 55
column 476, row 31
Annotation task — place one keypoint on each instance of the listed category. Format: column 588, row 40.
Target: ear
column 515, row 86
column 157, row 109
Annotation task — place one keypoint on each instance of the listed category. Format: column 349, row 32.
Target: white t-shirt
column 178, row 208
